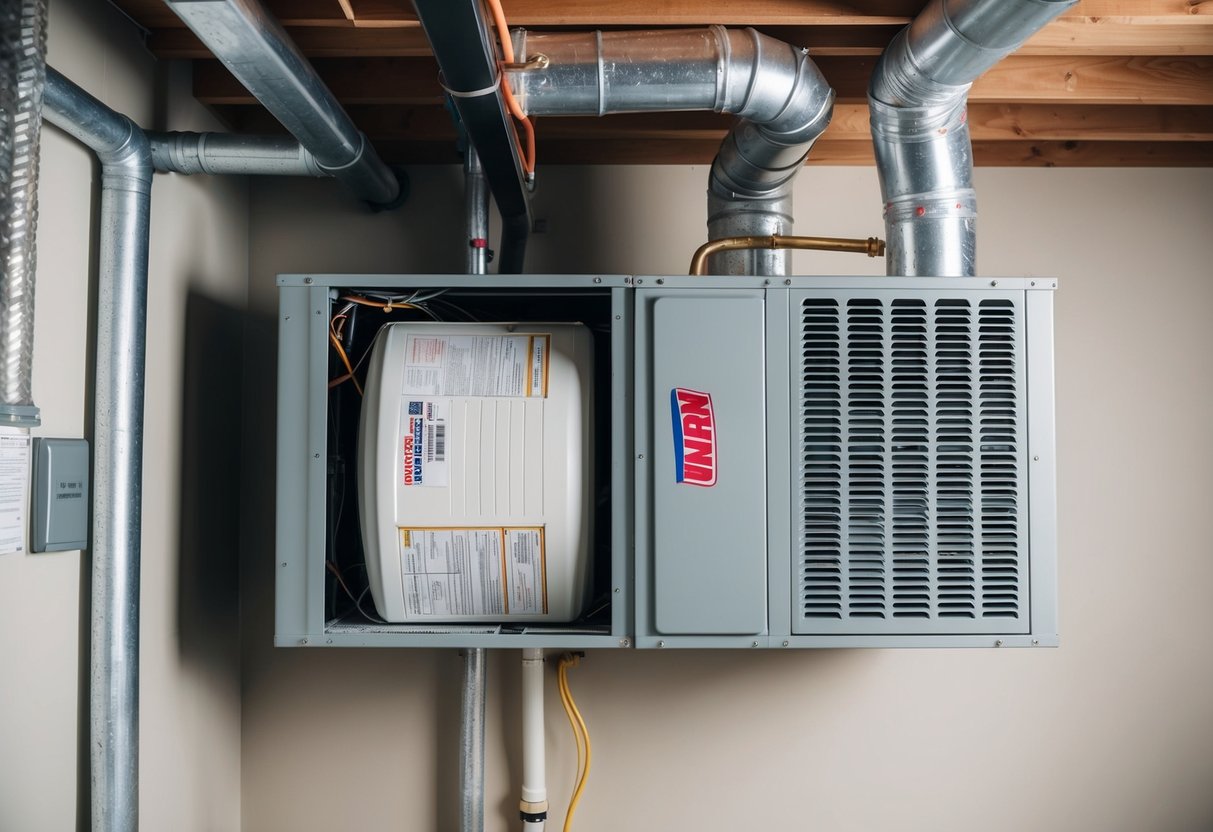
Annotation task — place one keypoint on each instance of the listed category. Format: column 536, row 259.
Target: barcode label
column 438, row 442
column 423, row 442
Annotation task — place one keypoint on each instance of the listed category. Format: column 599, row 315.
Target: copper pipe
column 872, row 246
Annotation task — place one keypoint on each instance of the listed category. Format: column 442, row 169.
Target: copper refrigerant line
column 872, row 246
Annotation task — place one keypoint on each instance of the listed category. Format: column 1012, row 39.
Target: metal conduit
column 259, row 52
column 781, row 96
column 918, row 97
column 471, row 712
column 22, row 77
column 126, row 179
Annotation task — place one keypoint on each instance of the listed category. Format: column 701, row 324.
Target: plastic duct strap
column 23, row 64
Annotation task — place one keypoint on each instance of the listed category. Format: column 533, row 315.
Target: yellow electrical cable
column 580, row 732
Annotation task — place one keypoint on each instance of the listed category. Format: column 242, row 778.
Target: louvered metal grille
column 913, row 464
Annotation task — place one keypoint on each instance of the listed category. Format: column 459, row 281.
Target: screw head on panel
column 639, row 281
column 785, row 642
column 1036, row 459
column 998, row 643
column 284, row 564
column 1035, row 642
column 625, row 642
column 303, row 641
column 661, row 281
column 598, row 280
column 307, row 280
column 993, row 282
column 661, row 644
column 753, row 644
column 787, row 281
column 640, row 456
column 616, row 590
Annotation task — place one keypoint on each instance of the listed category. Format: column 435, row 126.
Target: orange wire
column 507, row 51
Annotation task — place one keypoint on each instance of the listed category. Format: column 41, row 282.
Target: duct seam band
column 937, row 205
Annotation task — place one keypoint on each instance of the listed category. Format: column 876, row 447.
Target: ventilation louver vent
column 914, row 503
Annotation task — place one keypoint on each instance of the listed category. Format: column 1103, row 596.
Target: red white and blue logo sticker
column 694, row 437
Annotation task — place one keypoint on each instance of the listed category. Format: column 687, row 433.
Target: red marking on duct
column 920, row 211
column 479, row 242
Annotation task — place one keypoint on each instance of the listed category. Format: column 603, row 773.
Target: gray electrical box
column 823, row 462
column 60, row 497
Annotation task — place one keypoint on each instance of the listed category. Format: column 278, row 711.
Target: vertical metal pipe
column 126, row 178
column 471, row 742
column 918, row 96
column 23, row 71
column 471, row 712
column 476, row 188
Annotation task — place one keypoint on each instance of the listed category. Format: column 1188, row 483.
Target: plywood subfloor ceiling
column 1114, row 82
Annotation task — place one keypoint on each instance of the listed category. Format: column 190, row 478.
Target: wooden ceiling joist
column 1110, row 82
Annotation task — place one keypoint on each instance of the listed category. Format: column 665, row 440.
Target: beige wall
column 190, row 743
column 1113, row 731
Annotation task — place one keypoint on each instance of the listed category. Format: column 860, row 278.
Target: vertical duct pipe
column 126, row 179
column 258, row 51
column 471, row 712
column 918, row 97
column 22, row 78
column 781, row 96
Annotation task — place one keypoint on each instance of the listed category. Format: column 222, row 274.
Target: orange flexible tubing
column 507, row 51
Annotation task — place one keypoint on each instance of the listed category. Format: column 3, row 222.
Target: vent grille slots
column 913, row 464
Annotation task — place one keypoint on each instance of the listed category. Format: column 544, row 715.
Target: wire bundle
column 580, row 733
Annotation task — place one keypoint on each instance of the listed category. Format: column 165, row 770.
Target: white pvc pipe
column 534, row 777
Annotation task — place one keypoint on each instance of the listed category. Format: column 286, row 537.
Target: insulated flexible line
column 580, row 733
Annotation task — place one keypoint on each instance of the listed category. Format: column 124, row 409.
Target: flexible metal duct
column 22, row 77
column 258, row 51
column 782, row 98
column 918, row 97
column 126, row 183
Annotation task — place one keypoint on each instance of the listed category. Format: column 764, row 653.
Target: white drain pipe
column 533, row 806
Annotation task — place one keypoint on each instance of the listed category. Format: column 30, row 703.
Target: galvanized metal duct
column 918, row 97
column 22, row 77
column 126, row 182
column 782, row 98
column 258, row 51
column 220, row 153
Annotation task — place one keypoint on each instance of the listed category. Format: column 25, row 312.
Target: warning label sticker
column 423, row 441
column 478, row 571
column 477, row 365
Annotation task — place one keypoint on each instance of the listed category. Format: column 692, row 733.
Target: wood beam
column 1018, row 79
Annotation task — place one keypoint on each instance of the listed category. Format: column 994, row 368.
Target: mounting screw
column 998, row 643
column 303, row 641
column 1035, row 642
column 328, row 641
column 284, row 564
column 1054, row 285
column 616, row 589
column 618, row 317
column 1036, row 459
column 787, row 281
column 993, row 282
column 624, row 642
column 318, row 311
column 639, row 281
column 661, row 644
column 766, row 283
column 753, row 644
column 315, row 456
column 661, row 281
column 598, row 280
column 640, row 456
column 785, row 642
column 307, row 280
column 1033, row 282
